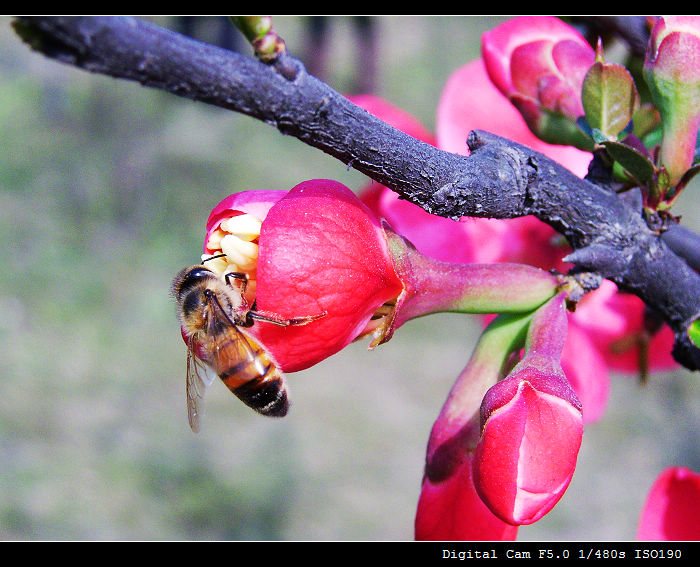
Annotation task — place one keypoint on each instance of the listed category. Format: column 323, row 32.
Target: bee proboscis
column 213, row 315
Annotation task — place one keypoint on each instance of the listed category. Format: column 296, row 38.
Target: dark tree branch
column 500, row 179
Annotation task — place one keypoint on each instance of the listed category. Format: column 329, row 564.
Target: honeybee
column 213, row 314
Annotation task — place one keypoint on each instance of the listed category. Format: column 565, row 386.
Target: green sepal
column 636, row 164
column 694, row 332
column 555, row 128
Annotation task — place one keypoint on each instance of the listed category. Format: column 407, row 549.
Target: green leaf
column 635, row 163
column 694, row 332
column 609, row 98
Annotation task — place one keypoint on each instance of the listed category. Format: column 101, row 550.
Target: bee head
column 190, row 278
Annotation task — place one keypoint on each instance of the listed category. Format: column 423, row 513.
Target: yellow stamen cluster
column 237, row 238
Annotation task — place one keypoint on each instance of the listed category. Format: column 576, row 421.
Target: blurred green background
column 104, row 190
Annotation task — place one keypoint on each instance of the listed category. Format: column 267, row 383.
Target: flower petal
column 321, row 250
column 671, row 509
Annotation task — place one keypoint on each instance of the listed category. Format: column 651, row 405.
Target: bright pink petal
column 615, row 323
column 451, row 509
column 256, row 203
column 672, row 508
column 321, row 250
column 587, row 372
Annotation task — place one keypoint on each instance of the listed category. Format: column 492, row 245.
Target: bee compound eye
column 199, row 273
column 191, row 303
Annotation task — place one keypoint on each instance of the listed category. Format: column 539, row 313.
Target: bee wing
column 197, row 381
column 221, row 330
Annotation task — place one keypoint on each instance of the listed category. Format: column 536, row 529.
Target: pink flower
column 539, row 63
column 616, row 325
column 318, row 250
column 531, row 427
column 671, row 510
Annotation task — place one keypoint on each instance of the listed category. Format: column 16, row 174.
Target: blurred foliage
column 104, row 190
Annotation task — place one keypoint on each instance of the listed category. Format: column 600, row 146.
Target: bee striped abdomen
column 257, row 382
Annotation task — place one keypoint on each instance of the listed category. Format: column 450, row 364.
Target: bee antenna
column 214, row 257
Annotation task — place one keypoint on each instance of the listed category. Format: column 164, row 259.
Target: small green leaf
column 635, row 163
column 609, row 98
column 694, row 332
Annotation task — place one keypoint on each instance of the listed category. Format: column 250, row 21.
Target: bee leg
column 237, row 276
column 276, row 319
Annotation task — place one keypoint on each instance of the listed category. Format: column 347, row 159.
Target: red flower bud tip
column 672, row 508
column 318, row 250
column 531, row 428
column 527, row 453
column 539, row 63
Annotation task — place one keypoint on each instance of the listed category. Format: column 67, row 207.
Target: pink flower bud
column 672, row 71
column 671, row 511
column 539, row 63
column 531, row 428
column 449, row 507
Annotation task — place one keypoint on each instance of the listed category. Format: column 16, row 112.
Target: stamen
column 236, row 239
column 215, row 237
column 240, row 252
column 216, row 265
column 245, row 227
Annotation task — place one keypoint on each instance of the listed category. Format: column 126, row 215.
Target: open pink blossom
column 615, row 323
column 316, row 254
column 671, row 509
